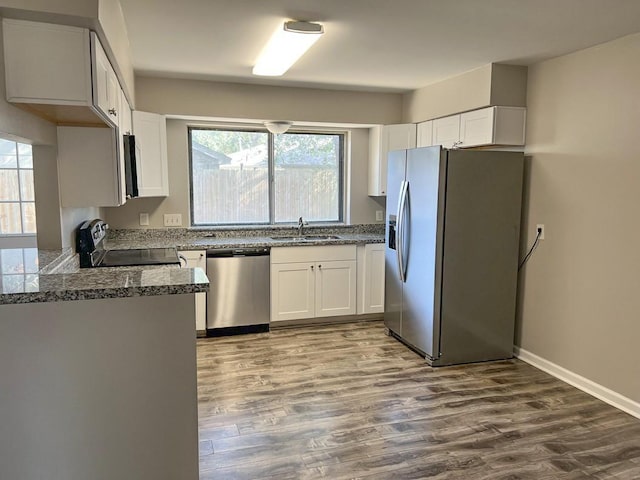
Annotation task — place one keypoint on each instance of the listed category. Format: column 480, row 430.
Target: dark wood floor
column 346, row 401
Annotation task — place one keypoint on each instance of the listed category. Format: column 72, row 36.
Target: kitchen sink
column 307, row 238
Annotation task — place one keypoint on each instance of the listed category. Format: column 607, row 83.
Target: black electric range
column 90, row 247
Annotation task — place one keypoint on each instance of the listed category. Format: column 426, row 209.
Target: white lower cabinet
column 336, row 288
column 293, row 290
column 198, row 259
column 371, row 278
column 308, row 282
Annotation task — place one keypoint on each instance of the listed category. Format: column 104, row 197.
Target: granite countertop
column 200, row 243
column 272, row 236
column 31, row 276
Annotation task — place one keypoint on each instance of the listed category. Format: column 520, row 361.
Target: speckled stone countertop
column 26, row 277
column 278, row 236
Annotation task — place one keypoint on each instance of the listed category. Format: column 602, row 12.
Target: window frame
column 22, row 239
column 342, row 172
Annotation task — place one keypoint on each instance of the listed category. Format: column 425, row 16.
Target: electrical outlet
column 540, row 227
column 172, row 219
column 379, row 216
column 144, row 219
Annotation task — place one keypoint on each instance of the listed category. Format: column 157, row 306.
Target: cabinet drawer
column 324, row 253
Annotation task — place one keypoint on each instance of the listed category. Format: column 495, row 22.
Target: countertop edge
column 99, row 293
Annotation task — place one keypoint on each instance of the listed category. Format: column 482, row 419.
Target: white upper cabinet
column 150, row 131
column 106, row 89
column 424, row 134
column 57, row 68
column 382, row 140
column 487, row 126
column 493, row 126
column 446, row 131
column 47, row 64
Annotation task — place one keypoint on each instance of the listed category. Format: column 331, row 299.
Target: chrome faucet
column 301, row 224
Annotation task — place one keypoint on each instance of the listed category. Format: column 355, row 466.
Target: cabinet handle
column 319, row 267
column 312, row 268
column 112, row 111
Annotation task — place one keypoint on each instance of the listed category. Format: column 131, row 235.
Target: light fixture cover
column 287, row 44
column 278, row 126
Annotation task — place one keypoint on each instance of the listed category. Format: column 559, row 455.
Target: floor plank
column 346, row 401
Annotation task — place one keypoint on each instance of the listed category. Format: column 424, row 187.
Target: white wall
column 579, row 292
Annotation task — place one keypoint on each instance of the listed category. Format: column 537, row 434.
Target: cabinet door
column 88, row 153
column 198, row 259
column 46, row 63
column 446, row 131
column 124, row 127
column 371, row 278
column 476, row 128
column 335, row 288
column 382, row 140
column 424, row 134
column 150, row 130
column 292, row 291
column 106, row 89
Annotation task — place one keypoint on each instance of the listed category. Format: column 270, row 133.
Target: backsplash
column 229, row 232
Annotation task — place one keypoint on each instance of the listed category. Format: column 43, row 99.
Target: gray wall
column 204, row 99
column 491, row 84
column 241, row 101
column 579, row 292
column 360, row 207
column 99, row 389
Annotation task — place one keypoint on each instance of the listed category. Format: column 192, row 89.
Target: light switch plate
column 379, row 216
column 172, row 219
column 144, row 219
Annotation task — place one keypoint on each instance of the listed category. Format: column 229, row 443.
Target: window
column 255, row 177
column 17, row 198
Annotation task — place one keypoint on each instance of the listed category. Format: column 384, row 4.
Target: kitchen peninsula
column 98, row 369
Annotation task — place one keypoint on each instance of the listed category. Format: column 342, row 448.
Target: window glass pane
column 25, row 156
column 9, row 185
column 229, row 177
column 10, row 218
column 11, row 260
column 307, row 177
column 7, row 154
column 26, row 185
column 29, row 217
column 31, row 260
column 25, row 149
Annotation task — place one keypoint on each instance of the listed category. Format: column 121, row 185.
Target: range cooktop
column 141, row 256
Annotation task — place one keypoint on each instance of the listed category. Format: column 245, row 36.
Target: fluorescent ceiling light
column 287, row 44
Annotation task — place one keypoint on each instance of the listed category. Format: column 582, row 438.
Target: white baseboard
column 592, row 388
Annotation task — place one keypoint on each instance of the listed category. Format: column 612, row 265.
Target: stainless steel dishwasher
column 238, row 299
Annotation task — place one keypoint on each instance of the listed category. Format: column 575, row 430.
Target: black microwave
column 131, row 157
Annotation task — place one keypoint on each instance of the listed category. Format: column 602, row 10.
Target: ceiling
column 374, row 45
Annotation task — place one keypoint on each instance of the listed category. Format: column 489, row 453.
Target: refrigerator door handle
column 400, row 229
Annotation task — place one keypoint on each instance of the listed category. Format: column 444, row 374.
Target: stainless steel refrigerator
column 451, row 259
